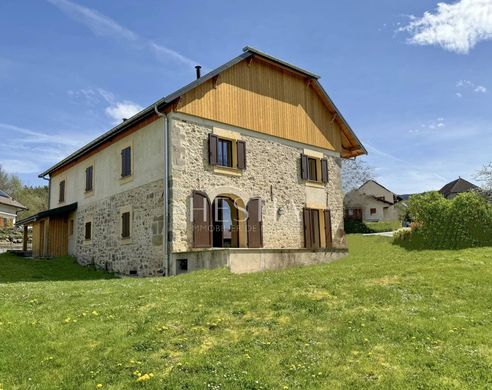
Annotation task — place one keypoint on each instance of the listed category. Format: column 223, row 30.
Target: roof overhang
column 56, row 212
column 353, row 147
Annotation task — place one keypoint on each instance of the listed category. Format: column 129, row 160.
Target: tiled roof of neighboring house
column 456, row 187
column 358, row 148
column 6, row 199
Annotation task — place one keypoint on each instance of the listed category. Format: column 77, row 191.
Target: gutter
column 166, row 246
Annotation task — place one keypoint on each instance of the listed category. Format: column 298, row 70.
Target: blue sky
column 413, row 79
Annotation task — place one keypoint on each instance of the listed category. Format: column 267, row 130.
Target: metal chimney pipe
column 198, row 72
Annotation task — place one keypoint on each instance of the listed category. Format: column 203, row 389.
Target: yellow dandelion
column 143, row 378
column 99, row 385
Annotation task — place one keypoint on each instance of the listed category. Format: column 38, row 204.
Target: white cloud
column 39, row 150
column 120, row 110
column 456, row 27
column 102, row 25
column 467, row 85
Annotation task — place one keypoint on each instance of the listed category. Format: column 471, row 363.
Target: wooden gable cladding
column 268, row 99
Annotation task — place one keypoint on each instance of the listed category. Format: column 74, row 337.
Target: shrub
column 439, row 223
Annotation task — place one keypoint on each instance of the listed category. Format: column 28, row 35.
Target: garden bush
column 439, row 223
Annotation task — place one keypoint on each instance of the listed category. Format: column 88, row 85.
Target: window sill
column 227, row 171
column 125, row 241
column 87, row 242
column 88, row 194
column 126, row 179
column 315, row 184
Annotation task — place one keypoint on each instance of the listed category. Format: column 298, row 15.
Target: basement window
column 181, row 266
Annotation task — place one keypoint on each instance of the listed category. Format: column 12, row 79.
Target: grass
column 354, row 226
column 378, row 227
column 384, row 317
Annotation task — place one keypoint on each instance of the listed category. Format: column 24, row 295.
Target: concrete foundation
column 244, row 260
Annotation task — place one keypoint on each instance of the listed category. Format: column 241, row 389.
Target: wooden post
column 24, row 240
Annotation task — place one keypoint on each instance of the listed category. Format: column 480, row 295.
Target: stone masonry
column 272, row 173
column 142, row 253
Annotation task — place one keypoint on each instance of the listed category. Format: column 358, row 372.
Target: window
column 126, row 162
column 61, row 195
column 89, row 178
column 312, row 169
column 224, row 152
column 125, row 225
column 373, row 211
column 88, row 230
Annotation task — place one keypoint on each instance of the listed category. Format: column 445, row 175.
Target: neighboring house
column 372, row 202
column 240, row 168
column 450, row 190
column 9, row 208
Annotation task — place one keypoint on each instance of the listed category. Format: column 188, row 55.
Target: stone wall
column 142, row 253
column 272, row 173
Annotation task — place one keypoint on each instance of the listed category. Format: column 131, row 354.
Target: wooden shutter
column 202, row 221
column 88, row 228
column 212, row 149
column 88, row 178
column 126, row 162
column 304, row 167
column 255, row 223
column 328, row 235
column 308, row 229
column 125, row 225
column 241, row 154
column 61, row 197
column 324, row 170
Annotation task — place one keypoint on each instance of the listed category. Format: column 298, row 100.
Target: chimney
column 198, row 73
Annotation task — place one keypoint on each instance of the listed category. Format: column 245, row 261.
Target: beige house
column 9, row 208
column 372, row 202
column 240, row 168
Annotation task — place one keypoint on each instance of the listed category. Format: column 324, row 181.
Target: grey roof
column 63, row 210
column 6, row 199
column 247, row 52
column 457, row 186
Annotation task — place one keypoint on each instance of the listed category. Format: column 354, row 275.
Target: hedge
column 439, row 223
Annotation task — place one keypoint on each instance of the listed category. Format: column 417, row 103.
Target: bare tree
column 484, row 175
column 355, row 173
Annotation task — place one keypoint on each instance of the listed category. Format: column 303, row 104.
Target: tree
column 355, row 173
column 485, row 176
column 34, row 198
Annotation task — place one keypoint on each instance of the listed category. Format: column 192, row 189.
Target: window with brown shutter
column 89, row 173
column 88, row 230
column 224, row 152
column 304, row 167
column 202, row 221
column 126, row 162
column 254, row 223
column 328, row 234
column 61, row 195
column 311, row 228
column 324, row 170
column 125, row 224
column 241, row 154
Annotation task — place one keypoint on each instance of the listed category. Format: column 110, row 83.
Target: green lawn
column 384, row 317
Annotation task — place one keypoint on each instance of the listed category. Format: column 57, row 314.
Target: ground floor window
column 88, row 230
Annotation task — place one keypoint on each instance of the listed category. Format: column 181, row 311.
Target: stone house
column 240, row 168
column 9, row 208
column 372, row 202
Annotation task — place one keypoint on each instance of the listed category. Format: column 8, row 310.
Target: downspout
column 166, row 246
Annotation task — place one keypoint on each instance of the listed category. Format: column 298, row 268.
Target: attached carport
column 49, row 231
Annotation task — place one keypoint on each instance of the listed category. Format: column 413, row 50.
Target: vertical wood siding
column 262, row 97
